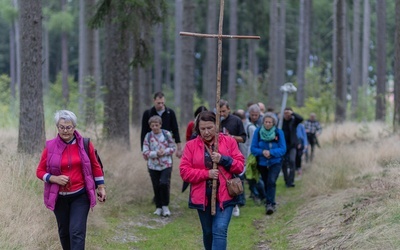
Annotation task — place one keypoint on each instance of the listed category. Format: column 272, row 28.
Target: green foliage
column 55, row 101
column 8, row 12
column 5, row 92
column 8, row 107
column 62, row 21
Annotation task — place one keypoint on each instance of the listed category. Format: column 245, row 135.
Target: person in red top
column 196, row 168
column 70, row 179
column 190, row 132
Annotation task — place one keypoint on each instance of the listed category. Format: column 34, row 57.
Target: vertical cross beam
column 220, row 37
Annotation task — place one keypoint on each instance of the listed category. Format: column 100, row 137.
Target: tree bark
column 340, row 109
column 31, row 135
column 158, row 63
column 380, row 108
column 233, row 45
column 178, row 52
column 301, row 55
column 210, row 62
column 355, row 63
column 90, row 68
column 188, row 45
column 82, row 55
column 116, row 105
column 64, row 61
column 396, row 115
column 272, row 100
column 281, row 59
column 365, row 43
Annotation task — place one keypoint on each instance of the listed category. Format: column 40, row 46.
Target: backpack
column 86, row 146
column 164, row 132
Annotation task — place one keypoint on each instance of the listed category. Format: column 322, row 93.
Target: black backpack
column 86, row 146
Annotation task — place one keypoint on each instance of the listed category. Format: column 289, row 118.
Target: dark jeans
column 312, row 140
column 289, row 166
column 71, row 213
column 215, row 227
column 269, row 175
column 299, row 155
column 161, row 181
column 241, row 199
column 257, row 189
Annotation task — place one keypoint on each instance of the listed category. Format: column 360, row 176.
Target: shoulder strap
column 86, row 144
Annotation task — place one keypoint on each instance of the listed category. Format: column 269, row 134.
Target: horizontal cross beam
column 217, row 35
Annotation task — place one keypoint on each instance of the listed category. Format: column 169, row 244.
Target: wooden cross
column 220, row 36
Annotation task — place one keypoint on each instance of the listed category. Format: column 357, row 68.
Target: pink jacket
column 193, row 170
column 55, row 149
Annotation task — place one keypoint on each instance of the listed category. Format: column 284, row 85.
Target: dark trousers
column 289, row 166
column 241, row 199
column 269, row 176
column 161, row 181
column 299, row 155
column 71, row 213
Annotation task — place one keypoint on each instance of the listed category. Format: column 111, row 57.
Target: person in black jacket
column 169, row 121
column 289, row 126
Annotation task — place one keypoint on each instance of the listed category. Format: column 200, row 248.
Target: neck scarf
column 267, row 135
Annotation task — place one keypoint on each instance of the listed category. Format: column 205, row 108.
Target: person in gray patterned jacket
column 158, row 148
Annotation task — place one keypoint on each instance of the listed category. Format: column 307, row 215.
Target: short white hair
column 66, row 115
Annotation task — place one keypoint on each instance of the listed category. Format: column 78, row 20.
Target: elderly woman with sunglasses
column 70, row 178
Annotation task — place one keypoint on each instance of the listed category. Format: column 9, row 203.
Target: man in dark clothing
column 168, row 118
column 233, row 126
column 289, row 126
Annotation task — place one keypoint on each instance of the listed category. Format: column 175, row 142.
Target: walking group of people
column 72, row 174
column 240, row 134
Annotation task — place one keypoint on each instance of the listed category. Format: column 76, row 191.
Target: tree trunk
column 188, row 45
column 365, row 43
column 12, row 66
column 82, row 55
column 90, row 68
column 340, row 110
column 396, row 115
column 17, row 47
column 46, row 58
column 301, row 55
column 355, row 62
column 233, row 45
column 380, row 108
column 31, row 135
column 64, row 61
column 158, row 63
column 210, row 62
column 116, row 106
column 178, row 52
column 281, row 59
column 273, row 87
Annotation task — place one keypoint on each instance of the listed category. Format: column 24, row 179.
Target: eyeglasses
column 68, row 128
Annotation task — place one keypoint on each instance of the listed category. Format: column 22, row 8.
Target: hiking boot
column 236, row 211
column 158, row 211
column 165, row 211
column 270, row 209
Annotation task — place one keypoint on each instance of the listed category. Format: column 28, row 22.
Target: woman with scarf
column 196, row 168
column 269, row 147
column 70, row 177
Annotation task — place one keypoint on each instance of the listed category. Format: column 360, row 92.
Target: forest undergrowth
column 347, row 198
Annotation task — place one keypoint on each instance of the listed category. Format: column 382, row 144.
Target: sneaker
column 236, row 211
column 158, row 211
column 270, row 209
column 165, row 211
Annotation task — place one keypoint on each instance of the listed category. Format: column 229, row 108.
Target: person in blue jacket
column 269, row 147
